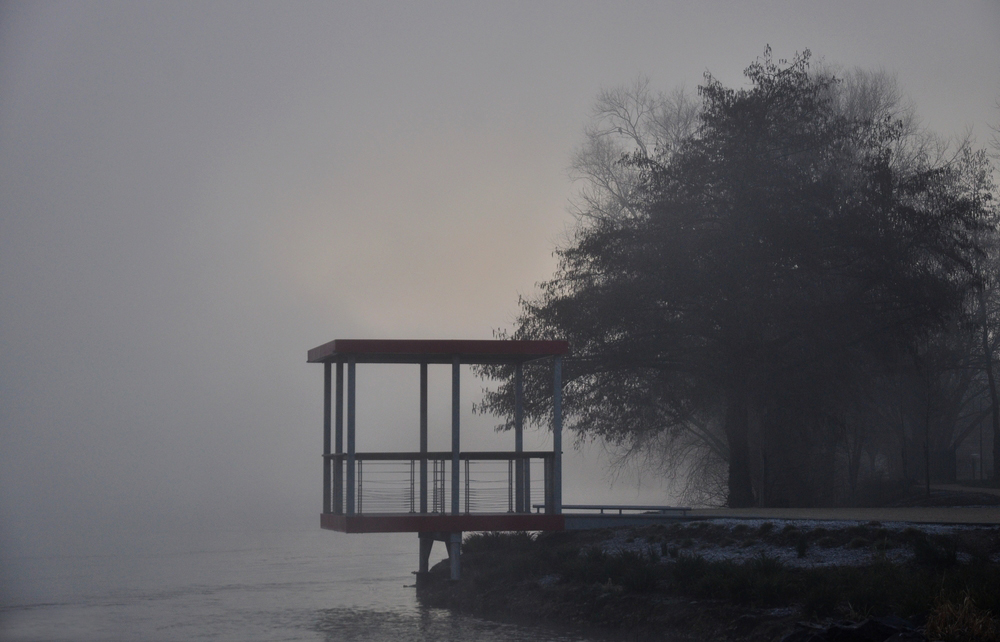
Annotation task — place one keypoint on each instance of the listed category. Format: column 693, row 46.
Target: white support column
column 338, row 443
column 327, row 385
column 350, row 435
column 455, row 469
column 557, row 436
column 423, row 438
column 521, row 502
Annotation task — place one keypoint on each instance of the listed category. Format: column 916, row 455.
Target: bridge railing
column 415, row 482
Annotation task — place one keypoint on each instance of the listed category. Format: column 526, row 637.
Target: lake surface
column 307, row 585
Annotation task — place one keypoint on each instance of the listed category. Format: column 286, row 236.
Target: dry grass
column 962, row 622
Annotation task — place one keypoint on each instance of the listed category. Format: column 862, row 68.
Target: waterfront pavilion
column 438, row 495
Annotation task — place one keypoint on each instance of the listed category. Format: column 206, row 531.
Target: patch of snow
column 783, row 611
column 625, row 540
column 619, row 543
column 549, row 580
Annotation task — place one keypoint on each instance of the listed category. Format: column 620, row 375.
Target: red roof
column 435, row 351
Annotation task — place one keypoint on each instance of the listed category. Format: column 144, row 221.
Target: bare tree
column 627, row 121
column 874, row 96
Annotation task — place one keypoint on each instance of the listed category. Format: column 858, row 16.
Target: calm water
column 313, row 585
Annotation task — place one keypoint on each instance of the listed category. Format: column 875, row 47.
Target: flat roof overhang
column 435, row 351
column 429, row 523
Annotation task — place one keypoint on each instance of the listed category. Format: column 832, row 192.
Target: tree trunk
column 737, row 429
column 988, row 355
column 927, row 443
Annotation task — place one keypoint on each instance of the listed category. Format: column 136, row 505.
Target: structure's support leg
column 350, row 435
column 455, row 407
column 452, row 541
column 455, row 555
column 520, row 503
column 423, row 437
column 338, row 443
column 549, row 503
column 557, row 436
column 426, row 543
column 327, row 402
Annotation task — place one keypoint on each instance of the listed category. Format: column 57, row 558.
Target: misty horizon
column 194, row 195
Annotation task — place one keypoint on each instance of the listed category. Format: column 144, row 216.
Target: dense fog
column 193, row 195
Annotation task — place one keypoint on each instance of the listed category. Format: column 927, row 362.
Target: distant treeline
column 786, row 294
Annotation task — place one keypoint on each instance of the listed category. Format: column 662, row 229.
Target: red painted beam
column 419, row 523
column 435, row 350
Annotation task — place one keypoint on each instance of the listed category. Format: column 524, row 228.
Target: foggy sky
column 194, row 194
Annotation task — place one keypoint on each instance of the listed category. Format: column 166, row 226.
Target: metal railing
column 402, row 483
column 621, row 508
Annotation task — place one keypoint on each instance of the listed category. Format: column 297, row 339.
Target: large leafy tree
column 768, row 267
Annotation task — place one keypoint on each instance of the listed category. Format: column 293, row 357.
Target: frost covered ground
column 802, row 543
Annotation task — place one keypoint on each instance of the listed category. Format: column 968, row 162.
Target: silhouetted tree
column 751, row 278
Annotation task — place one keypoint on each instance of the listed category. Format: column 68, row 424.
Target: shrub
column 497, row 541
column 689, row 568
column 802, row 545
column 858, row 542
column 939, row 551
column 632, row 570
column 822, row 597
column 638, row 573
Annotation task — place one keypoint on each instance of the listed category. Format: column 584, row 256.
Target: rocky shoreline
column 739, row 580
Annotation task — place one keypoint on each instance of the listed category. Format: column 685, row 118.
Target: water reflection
column 245, row 588
column 427, row 625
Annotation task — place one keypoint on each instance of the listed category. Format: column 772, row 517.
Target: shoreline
column 733, row 579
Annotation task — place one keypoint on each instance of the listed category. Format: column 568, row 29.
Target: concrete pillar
column 455, row 554
column 426, row 544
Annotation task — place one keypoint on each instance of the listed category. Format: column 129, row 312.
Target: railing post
column 510, row 485
column 350, row 434
column 442, row 495
column 466, row 486
column 549, row 506
column 434, row 487
column 327, row 383
column 527, row 485
column 412, row 480
column 338, row 444
column 361, row 494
